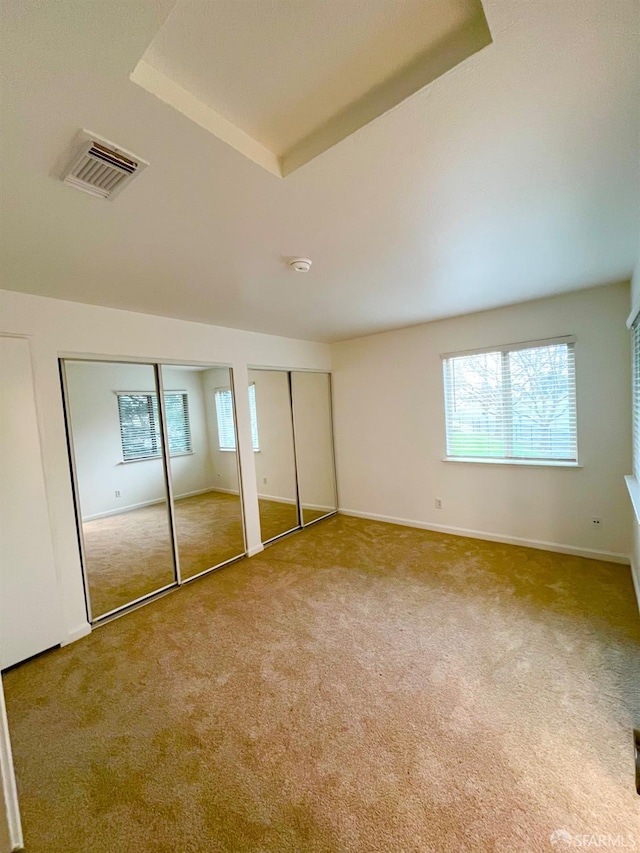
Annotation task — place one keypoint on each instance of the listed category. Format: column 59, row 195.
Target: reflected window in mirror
column 224, row 415
column 140, row 425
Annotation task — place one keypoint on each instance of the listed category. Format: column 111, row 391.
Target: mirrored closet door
column 311, row 396
column 121, row 488
column 272, row 434
column 205, row 480
column 155, row 471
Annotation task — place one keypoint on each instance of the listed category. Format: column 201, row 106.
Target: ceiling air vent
column 99, row 167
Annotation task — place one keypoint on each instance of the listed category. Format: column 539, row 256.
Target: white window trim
column 157, row 458
column 520, row 463
column 544, row 342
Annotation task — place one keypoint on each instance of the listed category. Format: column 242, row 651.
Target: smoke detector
column 98, row 167
column 300, row 264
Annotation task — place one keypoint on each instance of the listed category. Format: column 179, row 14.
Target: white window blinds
column 635, row 343
column 140, row 425
column 224, row 414
column 513, row 402
column 254, row 417
column 178, row 423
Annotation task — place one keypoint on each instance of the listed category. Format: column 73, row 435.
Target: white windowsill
column 155, row 458
column 521, row 463
column 233, row 450
column 634, row 493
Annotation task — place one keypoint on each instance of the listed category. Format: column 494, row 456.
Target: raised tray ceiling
column 282, row 81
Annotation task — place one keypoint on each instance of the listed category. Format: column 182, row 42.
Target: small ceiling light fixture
column 300, row 264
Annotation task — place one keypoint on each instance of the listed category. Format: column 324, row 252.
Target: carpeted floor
column 356, row 688
column 129, row 555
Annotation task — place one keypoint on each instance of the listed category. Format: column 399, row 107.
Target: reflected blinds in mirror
column 224, row 415
column 140, row 424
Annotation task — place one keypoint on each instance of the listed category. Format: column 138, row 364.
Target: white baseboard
column 590, row 553
column 279, row 500
column 276, row 499
column 197, row 492
column 142, row 504
column 319, row 507
column 132, row 507
column 76, row 633
column 263, row 497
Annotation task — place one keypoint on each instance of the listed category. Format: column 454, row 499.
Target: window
column 514, row 402
column 224, row 414
column 140, row 425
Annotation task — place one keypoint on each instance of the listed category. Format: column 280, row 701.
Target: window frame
column 156, row 432
column 520, row 461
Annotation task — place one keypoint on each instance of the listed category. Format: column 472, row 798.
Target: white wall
column 98, row 448
column 390, row 433
column 70, row 329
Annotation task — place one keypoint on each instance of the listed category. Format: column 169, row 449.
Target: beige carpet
column 356, row 688
column 129, row 555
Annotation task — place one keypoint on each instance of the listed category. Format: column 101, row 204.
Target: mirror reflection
column 311, row 395
column 204, row 469
column 121, row 485
column 272, row 431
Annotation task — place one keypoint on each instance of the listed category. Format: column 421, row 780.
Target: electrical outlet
column 264, row 480
column 596, row 522
column 438, row 503
column 118, row 493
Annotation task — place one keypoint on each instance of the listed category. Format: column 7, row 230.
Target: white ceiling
column 514, row 176
column 283, row 72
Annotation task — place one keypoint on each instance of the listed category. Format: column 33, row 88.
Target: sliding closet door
column 121, row 489
column 311, row 394
column 272, row 429
column 205, row 483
